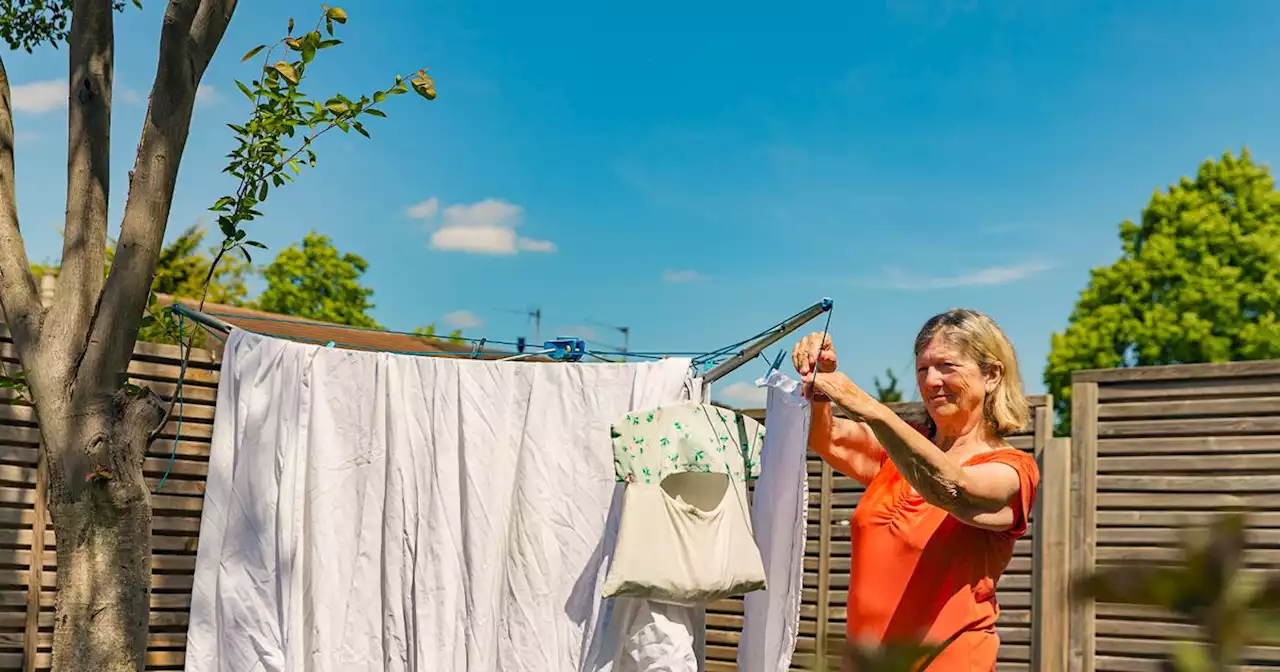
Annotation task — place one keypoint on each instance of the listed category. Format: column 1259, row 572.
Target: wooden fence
column 832, row 498
column 1155, row 450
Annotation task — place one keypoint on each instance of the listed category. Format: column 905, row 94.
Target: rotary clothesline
column 713, row 365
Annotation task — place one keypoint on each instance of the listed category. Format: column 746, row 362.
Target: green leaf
column 254, row 243
column 247, row 257
column 336, row 14
column 375, row 112
column 253, row 52
column 359, row 128
column 308, row 52
column 244, row 89
column 379, row 96
column 287, row 71
column 223, row 204
column 262, row 191
column 325, row 44
column 336, row 106
column 290, row 25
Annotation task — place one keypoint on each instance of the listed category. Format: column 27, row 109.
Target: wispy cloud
column 895, row 278
column 127, row 95
column 742, row 395
column 484, row 227
column 681, row 276
column 463, row 319
column 39, row 97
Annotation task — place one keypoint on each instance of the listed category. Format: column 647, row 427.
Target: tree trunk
column 101, row 510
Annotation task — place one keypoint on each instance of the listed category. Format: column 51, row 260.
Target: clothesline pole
column 784, row 329
column 203, row 319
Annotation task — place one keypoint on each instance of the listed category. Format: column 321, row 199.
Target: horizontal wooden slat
column 1188, row 445
column 1191, row 388
column 1192, row 408
column 1178, row 372
column 1189, row 427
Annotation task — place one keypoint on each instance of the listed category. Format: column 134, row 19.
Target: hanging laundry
column 771, row 619
column 368, row 511
column 685, row 535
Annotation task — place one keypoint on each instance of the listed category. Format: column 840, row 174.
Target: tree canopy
column 1198, row 280
column 316, row 281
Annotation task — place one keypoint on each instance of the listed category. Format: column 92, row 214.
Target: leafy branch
column 280, row 135
column 269, row 153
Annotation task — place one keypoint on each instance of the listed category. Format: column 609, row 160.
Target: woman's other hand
column 814, row 348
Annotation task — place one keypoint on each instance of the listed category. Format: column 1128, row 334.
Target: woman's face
column 952, row 385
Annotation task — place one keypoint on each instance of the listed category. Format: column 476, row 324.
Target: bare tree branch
column 191, row 33
column 18, row 294
column 91, row 65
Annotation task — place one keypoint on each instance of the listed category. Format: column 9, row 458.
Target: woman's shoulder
column 1004, row 453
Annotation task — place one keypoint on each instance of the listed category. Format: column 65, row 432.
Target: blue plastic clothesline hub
column 827, row 303
column 566, row 349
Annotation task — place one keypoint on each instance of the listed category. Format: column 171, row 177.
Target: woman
column 944, row 504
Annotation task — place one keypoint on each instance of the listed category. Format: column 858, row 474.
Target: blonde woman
column 944, row 503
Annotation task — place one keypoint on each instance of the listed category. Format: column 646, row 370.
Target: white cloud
column 129, row 95
column 681, row 276
column 427, row 209
column 741, row 395
column 484, row 227
column 205, row 93
column 27, row 136
column 983, row 277
column 462, row 319
column 39, row 97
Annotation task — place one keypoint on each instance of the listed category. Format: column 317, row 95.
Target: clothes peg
column 566, row 349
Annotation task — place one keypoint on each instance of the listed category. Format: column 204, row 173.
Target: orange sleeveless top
column 918, row 573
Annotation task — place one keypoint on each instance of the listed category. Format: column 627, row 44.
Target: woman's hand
column 814, row 348
column 845, row 394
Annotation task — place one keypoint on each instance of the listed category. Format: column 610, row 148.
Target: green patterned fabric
column 650, row 445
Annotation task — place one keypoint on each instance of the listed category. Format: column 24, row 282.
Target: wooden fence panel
column 27, row 588
column 1168, row 448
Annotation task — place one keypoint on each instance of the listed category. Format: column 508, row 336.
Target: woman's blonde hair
column 978, row 336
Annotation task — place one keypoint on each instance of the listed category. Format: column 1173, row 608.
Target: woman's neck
column 970, row 439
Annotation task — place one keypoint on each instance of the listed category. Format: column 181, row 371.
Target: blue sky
column 697, row 171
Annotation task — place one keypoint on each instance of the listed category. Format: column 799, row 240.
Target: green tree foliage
column 1198, row 280
column 316, row 281
column 888, row 393
column 429, row 333
column 183, row 271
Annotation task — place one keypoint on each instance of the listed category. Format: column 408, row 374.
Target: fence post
column 1052, row 559
column 1084, row 513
